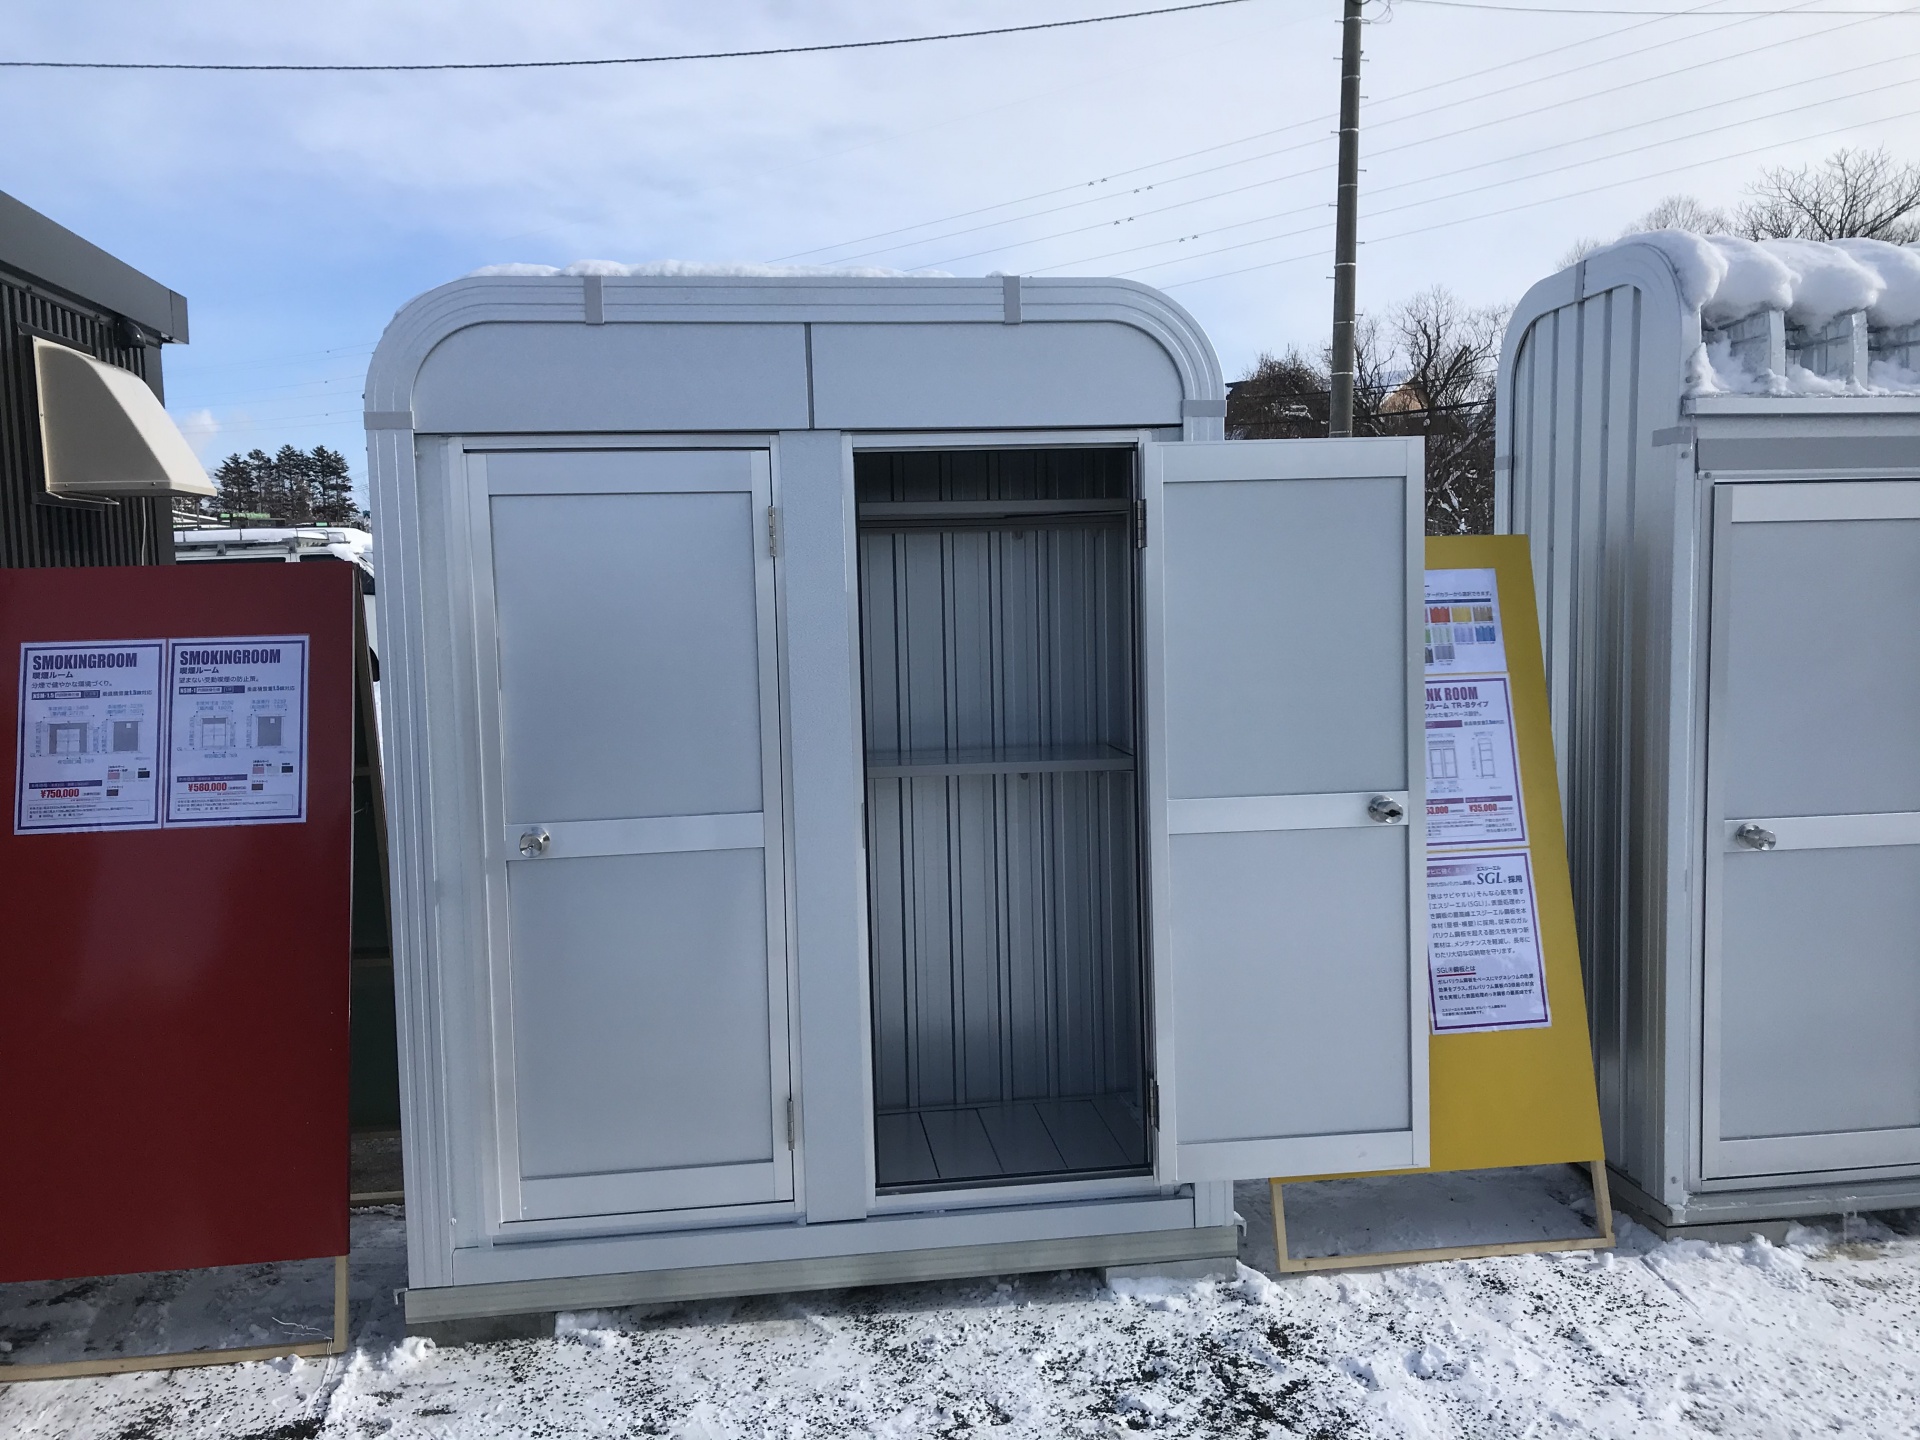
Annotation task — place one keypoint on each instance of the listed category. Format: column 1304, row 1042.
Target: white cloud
column 201, row 429
column 297, row 213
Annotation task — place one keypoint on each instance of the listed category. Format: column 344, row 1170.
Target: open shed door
column 1281, row 593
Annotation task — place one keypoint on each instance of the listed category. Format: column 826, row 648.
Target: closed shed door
column 1286, row 810
column 638, row 961
column 1812, row 1040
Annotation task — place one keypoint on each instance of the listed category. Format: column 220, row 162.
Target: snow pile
column 1816, row 1336
column 1813, row 283
column 729, row 269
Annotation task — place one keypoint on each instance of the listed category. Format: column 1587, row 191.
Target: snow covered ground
column 1818, row 1336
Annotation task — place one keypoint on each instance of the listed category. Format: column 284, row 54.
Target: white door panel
column 638, row 953
column 1812, row 995
column 1281, row 606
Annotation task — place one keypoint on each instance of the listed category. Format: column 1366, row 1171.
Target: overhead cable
column 1425, row 229
column 279, row 69
column 1532, row 80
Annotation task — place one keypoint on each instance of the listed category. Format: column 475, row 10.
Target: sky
column 1194, row 152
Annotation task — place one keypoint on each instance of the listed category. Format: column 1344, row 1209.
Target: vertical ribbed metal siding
column 1600, row 536
column 1004, row 907
column 1004, row 938
column 133, row 532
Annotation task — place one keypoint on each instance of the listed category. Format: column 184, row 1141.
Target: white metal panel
column 1281, row 582
column 626, row 626
column 1811, row 1055
column 637, row 897
column 893, row 377
column 1827, row 500
column 546, row 376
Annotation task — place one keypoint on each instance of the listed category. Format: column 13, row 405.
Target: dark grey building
column 56, row 287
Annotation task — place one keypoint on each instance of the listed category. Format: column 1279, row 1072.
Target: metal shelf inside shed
column 997, row 637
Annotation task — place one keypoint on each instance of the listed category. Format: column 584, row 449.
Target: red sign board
column 174, row 915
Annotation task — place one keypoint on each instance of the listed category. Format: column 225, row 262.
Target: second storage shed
column 880, row 789
column 1715, row 447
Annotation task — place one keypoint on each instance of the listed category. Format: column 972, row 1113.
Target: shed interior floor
column 1021, row 1140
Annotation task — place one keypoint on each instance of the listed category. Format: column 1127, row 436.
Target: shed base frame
column 1734, row 1215
column 832, row 1272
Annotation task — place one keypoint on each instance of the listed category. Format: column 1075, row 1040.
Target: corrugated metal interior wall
column 34, row 532
column 1002, row 821
column 1585, row 494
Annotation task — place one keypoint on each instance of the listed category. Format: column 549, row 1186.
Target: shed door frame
column 1824, row 1155
column 637, row 1199
column 1279, row 462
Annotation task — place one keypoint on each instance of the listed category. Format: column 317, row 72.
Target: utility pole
column 1345, row 224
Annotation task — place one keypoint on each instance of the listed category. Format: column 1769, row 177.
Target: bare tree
column 1451, row 351
column 1852, row 192
column 1426, row 368
column 1286, row 397
column 1683, row 212
column 1676, row 212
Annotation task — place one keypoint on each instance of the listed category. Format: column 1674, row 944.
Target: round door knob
column 1386, row 810
column 534, row 842
column 1756, row 837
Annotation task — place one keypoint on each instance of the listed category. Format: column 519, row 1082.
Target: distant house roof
column 33, row 246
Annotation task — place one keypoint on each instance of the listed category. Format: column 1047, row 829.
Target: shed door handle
column 1386, row 810
column 1756, row 837
column 534, row 842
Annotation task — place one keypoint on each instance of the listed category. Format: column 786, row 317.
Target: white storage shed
column 1715, row 447
column 879, row 788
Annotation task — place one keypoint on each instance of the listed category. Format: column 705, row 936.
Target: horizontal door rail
column 1826, row 500
column 577, row 838
column 1012, row 760
column 1281, row 812
column 983, row 509
column 1824, row 832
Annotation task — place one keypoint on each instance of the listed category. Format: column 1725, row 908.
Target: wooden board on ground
column 185, row 1359
column 1513, row 1097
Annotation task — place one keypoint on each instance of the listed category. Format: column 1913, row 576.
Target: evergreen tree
column 332, row 488
column 239, row 485
column 293, row 484
column 292, row 487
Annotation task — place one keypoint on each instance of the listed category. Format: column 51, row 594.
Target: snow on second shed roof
column 1811, row 284
column 1727, row 279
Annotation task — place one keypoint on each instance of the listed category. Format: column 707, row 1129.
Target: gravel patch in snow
column 1820, row 1335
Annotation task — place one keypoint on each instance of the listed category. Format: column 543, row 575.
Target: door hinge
column 789, row 1122
column 1139, row 524
column 1153, row 1104
column 773, row 531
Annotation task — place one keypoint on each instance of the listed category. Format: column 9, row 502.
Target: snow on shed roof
column 1812, row 285
column 725, row 268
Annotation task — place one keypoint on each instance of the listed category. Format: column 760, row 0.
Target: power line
column 1660, row 14
column 1582, row 44
column 1283, row 150
column 1482, row 165
column 1513, row 209
column 621, row 60
column 1427, row 139
column 1556, row 170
